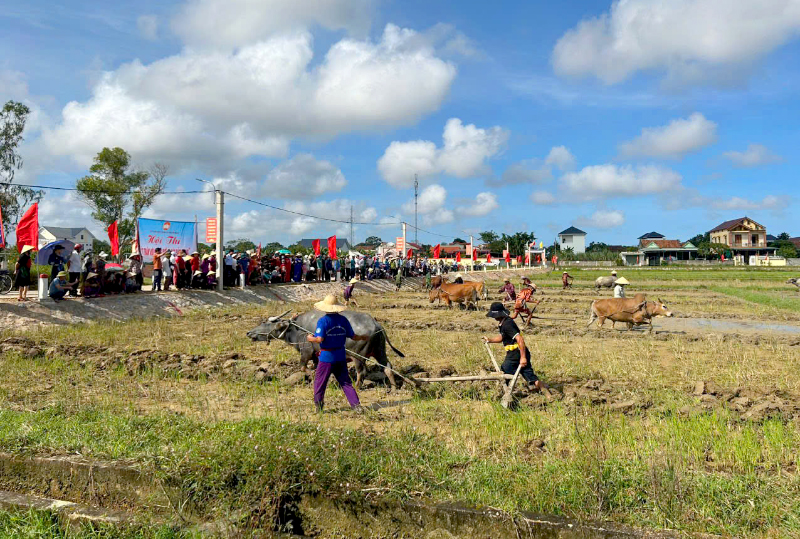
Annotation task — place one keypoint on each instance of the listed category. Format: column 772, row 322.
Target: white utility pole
column 405, row 245
column 416, row 198
column 220, row 200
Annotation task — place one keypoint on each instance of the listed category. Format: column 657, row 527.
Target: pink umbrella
column 113, row 267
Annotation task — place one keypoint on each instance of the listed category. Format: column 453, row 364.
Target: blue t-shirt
column 334, row 329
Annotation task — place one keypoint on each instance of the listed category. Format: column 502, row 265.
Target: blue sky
column 619, row 118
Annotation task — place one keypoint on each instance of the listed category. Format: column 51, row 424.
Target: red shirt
column 195, row 264
column 181, row 263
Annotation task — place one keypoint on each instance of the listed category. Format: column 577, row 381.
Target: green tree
column 459, row 240
column 787, row 250
column 14, row 199
column 99, row 246
column 300, row 250
column 272, row 246
column 203, row 249
column 373, row 241
column 117, row 193
column 489, row 236
column 517, row 243
column 784, row 236
column 240, row 245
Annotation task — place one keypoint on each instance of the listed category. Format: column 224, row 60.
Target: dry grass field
column 695, row 427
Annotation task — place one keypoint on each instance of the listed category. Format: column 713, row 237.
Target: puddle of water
column 726, row 326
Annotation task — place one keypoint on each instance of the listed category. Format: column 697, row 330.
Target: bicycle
column 6, row 282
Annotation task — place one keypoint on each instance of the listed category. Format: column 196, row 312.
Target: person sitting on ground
column 136, row 269
column 276, row 276
column 517, row 354
column 115, row 283
column 211, row 280
column 619, row 287
column 59, row 287
column 459, row 279
column 508, row 290
column 91, row 286
column 331, row 334
column 348, row 293
column 131, row 283
column 566, row 280
column 198, row 280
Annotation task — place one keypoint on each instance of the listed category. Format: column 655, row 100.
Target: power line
column 307, row 215
column 105, row 191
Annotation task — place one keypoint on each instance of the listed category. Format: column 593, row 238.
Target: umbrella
column 285, row 252
column 112, row 267
column 45, row 252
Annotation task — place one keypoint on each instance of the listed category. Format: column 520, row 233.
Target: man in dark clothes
column 516, row 352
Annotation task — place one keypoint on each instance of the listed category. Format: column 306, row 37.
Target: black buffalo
column 288, row 331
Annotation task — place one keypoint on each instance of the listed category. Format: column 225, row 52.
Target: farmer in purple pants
column 332, row 332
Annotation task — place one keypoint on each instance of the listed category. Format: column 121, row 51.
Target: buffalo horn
column 276, row 318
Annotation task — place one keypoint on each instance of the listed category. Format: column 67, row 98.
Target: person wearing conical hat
column 59, row 287
column 22, row 272
column 619, row 287
column 508, row 290
column 199, row 279
column 459, row 279
column 348, row 292
column 91, row 285
column 332, row 332
column 521, row 302
column 566, row 280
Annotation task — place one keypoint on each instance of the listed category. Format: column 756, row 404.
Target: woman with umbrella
column 57, row 260
column 22, row 272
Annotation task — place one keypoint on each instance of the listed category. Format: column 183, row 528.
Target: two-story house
column 573, row 238
column 48, row 234
column 744, row 237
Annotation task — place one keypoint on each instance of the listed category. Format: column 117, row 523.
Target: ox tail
column 593, row 315
column 396, row 351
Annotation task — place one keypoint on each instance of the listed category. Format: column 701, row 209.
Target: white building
column 49, row 234
column 573, row 238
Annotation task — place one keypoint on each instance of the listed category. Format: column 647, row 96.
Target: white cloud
column 484, row 204
column 602, row 219
column 464, row 153
column 605, row 181
column 431, row 199
column 562, row 158
column 674, row 140
column 753, row 156
column 543, row 198
column 212, row 106
column 148, row 26
column 303, row 178
column 689, row 39
column 66, row 209
column 235, row 23
column 769, row 202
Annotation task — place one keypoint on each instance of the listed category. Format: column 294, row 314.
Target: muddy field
column 713, row 394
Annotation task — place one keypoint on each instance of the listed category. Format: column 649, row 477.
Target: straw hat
column 506, row 280
column 564, row 272
column 63, row 274
column 526, row 278
column 458, row 275
column 187, row 258
column 195, row 253
column 206, row 257
column 330, row 305
column 623, row 281
column 196, row 273
column 26, row 249
column 91, row 275
column 103, row 254
column 353, row 280
column 613, row 272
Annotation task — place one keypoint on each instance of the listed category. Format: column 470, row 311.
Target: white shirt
column 75, row 262
column 166, row 268
column 619, row 291
column 228, row 260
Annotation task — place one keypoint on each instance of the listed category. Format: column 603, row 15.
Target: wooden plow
column 508, row 380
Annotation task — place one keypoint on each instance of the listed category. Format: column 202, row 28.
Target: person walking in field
column 348, row 293
column 22, row 272
column 517, row 354
column 331, row 334
column 566, row 280
column 398, row 280
column 508, row 290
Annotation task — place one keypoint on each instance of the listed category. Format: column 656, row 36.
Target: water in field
column 723, row 326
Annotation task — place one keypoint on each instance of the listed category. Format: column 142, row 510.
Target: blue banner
column 172, row 235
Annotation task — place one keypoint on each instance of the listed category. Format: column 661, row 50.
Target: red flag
column 113, row 237
column 458, row 256
column 2, row 232
column 315, row 246
column 437, row 250
column 258, row 253
column 332, row 247
column 410, row 253
column 508, row 257
column 28, row 228
column 519, row 259
column 488, row 257
column 528, row 258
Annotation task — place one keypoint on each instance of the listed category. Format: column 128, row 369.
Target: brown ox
column 437, row 281
column 462, row 294
column 480, row 288
column 634, row 311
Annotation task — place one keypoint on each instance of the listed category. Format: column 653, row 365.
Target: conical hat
column 26, row 249
column 622, row 280
column 330, row 305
